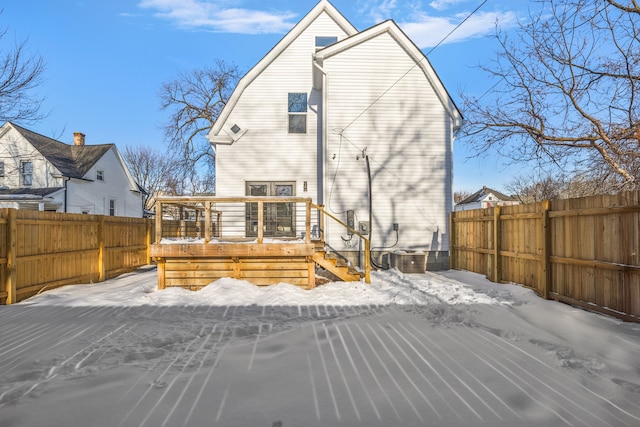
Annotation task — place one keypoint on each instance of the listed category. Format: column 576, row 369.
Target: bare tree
column 529, row 189
column 567, row 90
column 459, row 196
column 195, row 100
column 152, row 170
column 20, row 74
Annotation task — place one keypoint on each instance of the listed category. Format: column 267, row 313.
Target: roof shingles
column 73, row 161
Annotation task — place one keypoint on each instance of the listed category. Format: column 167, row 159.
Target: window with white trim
column 324, row 41
column 100, row 175
column 112, row 207
column 297, row 108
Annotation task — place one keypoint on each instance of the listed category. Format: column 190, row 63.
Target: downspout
column 323, row 128
column 66, row 180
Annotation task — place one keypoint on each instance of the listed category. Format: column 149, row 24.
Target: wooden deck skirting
column 260, row 261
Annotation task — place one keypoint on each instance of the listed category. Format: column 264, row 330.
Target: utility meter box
column 363, row 227
column 409, row 261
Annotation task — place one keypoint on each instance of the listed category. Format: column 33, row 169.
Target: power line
column 456, row 27
column 375, row 101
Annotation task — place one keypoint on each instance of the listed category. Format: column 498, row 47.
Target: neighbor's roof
column 482, row 193
column 27, row 193
column 73, row 161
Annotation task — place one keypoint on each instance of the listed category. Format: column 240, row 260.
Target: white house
column 485, row 198
column 344, row 117
column 41, row 173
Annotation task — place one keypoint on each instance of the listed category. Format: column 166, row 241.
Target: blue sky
column 106, row 59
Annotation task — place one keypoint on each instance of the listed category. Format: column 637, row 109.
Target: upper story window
column 324, row 41
column 1, row 169
column 100, row 175
column 297, row 112
column 26, row 173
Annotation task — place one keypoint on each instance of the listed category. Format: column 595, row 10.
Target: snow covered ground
column 446, row 349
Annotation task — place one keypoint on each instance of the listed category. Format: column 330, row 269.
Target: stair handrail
column 367, row 244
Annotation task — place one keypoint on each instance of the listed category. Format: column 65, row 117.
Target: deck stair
column 336, row 266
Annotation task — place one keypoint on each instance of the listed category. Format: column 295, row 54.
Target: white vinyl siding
column 406, row 136
column 276, row 155
column 94, row 197
column 380, row 104
column 26, row 173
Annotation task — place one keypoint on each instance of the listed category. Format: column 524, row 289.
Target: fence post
column 158, row 221
column 207, row 221
column 12, row 247
column 260, row 222
column 147, row 240
column 452, row 242
column 101, row 238
column 307, row 223
column 545, row 280
column 497, row 260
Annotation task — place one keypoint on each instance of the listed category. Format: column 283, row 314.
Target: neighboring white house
column 40, row 173
column 485, row 198
column 327, row 102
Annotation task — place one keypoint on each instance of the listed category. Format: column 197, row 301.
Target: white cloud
column 428, row 31
column 444, row 4
column 215, row 17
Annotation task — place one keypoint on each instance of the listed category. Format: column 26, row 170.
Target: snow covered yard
column 448, row 349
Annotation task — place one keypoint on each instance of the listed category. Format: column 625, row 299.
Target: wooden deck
column 211, row 250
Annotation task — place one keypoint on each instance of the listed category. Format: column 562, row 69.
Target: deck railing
column 249, row 219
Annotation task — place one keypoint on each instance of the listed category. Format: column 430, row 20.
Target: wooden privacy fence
column 583, row 251
column 45, row 250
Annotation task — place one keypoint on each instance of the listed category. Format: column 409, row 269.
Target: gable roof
column 479, row 195
column 323, row 6
column 390, row 27
column 73, row 161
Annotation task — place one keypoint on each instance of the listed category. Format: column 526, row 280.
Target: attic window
column 100, row 175
column 235, row 129
column 324, row 41
column 297, row 108
column 1, row 169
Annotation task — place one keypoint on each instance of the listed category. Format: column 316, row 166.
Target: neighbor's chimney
column 78, row 138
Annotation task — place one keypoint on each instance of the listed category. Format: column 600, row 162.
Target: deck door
column 279, row 218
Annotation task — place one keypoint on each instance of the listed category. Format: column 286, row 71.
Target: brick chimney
column 78, row 138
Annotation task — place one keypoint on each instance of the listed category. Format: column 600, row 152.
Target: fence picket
column 581, row 251
column 47, row 249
